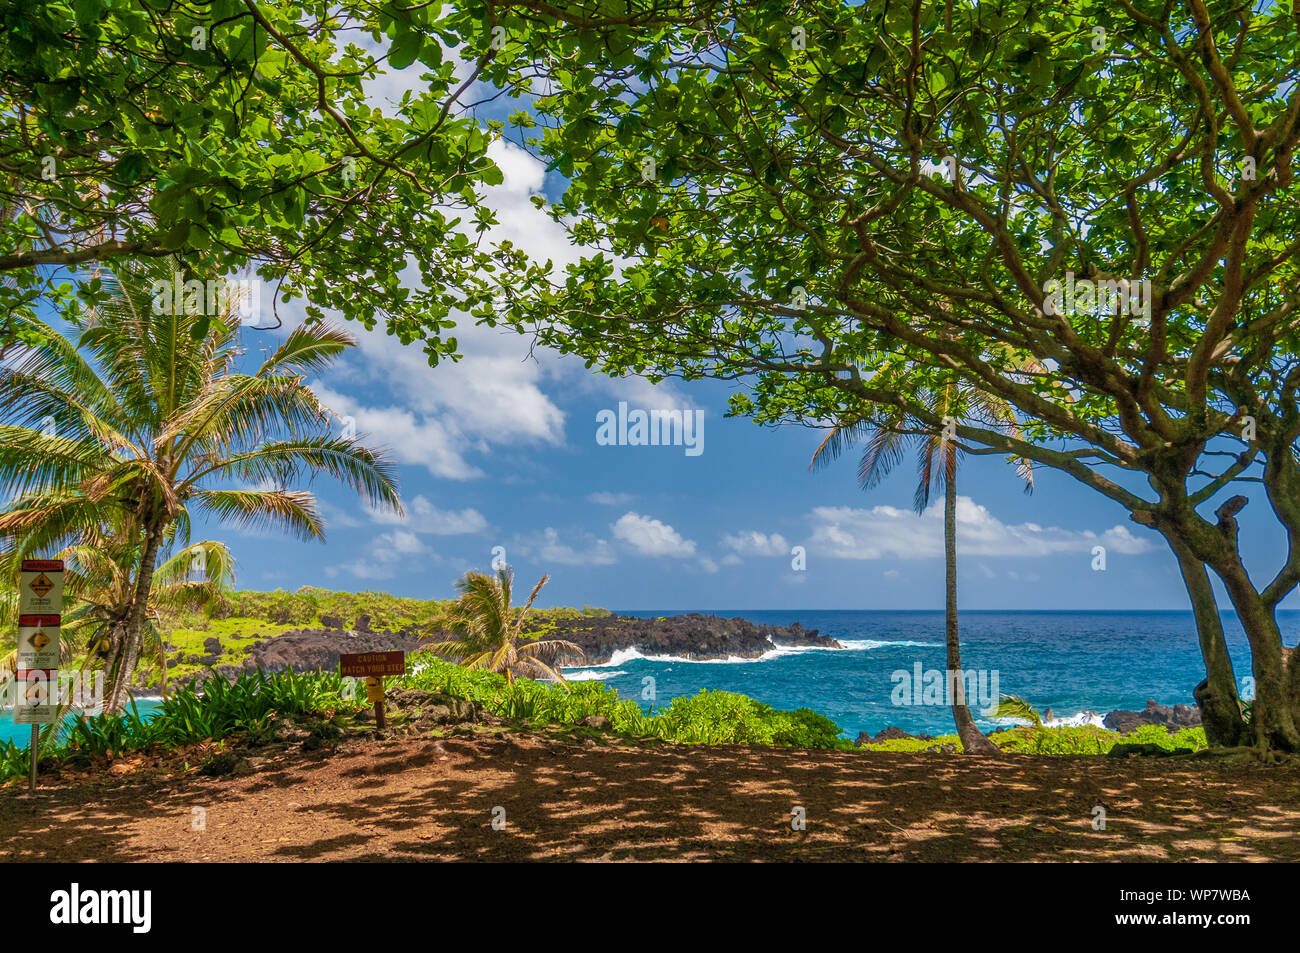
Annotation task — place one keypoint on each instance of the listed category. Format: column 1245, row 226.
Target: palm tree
column 137, row 419
column 490, row 633
column 98, row 588
column 937, row 459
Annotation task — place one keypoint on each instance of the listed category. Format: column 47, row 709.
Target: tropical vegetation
column 120, row 433
column 490, row 633
column 252, row 140
column 253, row 707
column 99, row 584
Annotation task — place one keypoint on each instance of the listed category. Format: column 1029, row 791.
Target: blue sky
column 500, row 450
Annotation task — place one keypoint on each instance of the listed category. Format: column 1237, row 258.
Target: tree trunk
column 972, row 739
column 1217, row 694
column 128, row 655
column 1272, row 721
column 128, row 652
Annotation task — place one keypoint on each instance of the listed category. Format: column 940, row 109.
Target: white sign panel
column 38, row 645
column 36, row 702
column 40, row 591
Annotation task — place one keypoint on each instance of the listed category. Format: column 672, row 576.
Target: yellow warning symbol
column 41, row 585
column 38, row 640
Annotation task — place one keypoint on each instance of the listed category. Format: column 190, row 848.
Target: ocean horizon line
column 940, row 612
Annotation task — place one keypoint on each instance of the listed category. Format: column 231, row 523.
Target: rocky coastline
column 694, row 636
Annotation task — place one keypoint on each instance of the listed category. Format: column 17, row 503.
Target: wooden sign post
column 374, row 667
column 40, row 610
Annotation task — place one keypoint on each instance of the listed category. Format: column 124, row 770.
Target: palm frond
column 1013, row 706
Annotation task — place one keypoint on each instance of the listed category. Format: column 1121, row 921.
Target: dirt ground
column 423, row 799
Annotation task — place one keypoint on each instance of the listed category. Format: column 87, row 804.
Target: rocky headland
column 693, row 636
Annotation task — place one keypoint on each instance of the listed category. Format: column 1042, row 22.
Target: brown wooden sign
column 372, row 664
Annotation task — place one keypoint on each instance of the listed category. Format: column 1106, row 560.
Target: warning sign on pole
column 37, row 699
column 38, row 641
column 40, row 610
column 40, row 587
column 373, row 666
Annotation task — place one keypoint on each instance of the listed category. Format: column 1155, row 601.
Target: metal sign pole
column 40, row 611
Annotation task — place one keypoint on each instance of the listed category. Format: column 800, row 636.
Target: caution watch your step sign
column 373, row 667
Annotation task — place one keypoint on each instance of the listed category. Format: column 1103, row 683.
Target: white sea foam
column 858, row 645
column 591, row 674
column 1076, row 721
column 623, row 656
column 1069, row 721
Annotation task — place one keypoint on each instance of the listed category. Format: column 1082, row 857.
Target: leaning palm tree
column 491, row 634
column 141, row 417
column 886, row 439
column 98, row 588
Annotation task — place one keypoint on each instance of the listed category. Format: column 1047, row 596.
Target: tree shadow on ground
column 418, row 799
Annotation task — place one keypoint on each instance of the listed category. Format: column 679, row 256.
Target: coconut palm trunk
column 133, row 626
column 973, row 740
column 937, row 458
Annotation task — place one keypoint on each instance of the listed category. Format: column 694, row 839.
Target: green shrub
column 248, row 705
column 1063, row 740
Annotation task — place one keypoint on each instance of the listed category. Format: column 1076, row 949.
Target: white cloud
column 885, row 531
column 335, row 516
column 610, row 499
column 419, row 441
column 593, row 551
column 493, row 394
column 498, row 394
column 393, row 546
column 423, row 517
column 650, row 537
column 384, row 556
column 754, row 543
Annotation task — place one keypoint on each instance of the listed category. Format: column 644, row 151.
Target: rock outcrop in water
column 1172, row 719
column 693, row 636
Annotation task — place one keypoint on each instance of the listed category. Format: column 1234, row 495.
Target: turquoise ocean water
column 1071, row 662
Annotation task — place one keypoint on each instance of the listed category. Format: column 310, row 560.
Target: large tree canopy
column 853, row 205
column 237, row 135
